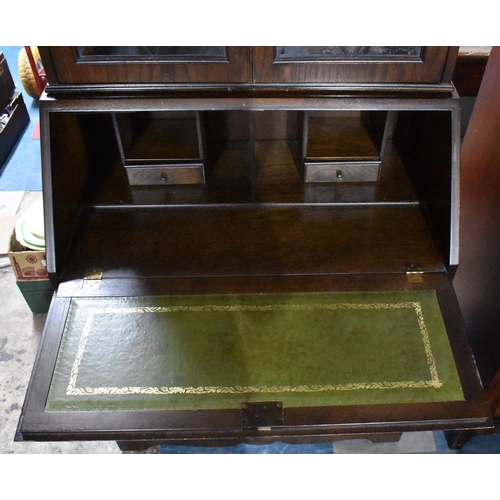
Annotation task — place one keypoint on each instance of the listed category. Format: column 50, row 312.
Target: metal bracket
column 414, row 273
column 92, row 279
column 262, row 415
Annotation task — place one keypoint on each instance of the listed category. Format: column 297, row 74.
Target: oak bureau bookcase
column 251, row 244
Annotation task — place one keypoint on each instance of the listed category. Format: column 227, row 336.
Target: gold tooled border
column 73, row 390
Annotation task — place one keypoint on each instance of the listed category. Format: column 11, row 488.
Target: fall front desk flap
column 217, row 351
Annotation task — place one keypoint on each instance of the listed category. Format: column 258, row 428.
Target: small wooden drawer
column 160, row 148
column 165, row 174
column 348, row 171
column 344, row 147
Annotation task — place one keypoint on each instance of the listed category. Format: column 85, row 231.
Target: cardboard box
column 31, row 276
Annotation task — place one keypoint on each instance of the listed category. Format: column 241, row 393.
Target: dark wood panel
column 432, row 70
column 76, row 150
column 112, row 286
column 67, row 68
column 430, row 146
column 196, row 427
column 339, row 135
column 469, row 70
column 477, row 281
column 65, row 177
column 276, row 179
column 248, row 69
column 253, row 240
column 158, row 136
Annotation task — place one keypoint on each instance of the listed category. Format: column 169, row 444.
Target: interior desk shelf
column 258, row 240
column 255, row 164
column 255, row 167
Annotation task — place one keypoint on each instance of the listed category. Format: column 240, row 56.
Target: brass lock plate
column 262, row 415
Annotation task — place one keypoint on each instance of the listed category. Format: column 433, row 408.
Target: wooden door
column 354, row 65
column 145, row 65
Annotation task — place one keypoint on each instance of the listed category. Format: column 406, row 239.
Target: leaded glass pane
column 352, row 52
column 150, row 52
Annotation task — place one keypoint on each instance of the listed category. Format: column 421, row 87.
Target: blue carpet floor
column 22, row 172
column 488, row 444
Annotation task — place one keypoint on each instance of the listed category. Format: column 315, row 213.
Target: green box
column 37, row 294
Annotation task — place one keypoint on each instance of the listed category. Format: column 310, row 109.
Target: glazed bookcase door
column 145, row 65
column 353, row 65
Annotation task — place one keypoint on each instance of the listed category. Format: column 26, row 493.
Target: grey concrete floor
column 20, row 333
column 19, row 338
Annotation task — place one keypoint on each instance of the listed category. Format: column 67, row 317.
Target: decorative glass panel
column 151, row 52
column 322, row 52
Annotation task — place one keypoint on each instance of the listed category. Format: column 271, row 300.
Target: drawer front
column 166, row 174
column 341, row 172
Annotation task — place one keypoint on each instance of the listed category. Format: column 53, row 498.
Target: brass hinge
column 414, row 273
column 92, row 279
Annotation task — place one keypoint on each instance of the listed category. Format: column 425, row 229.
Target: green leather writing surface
column 217, row 351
